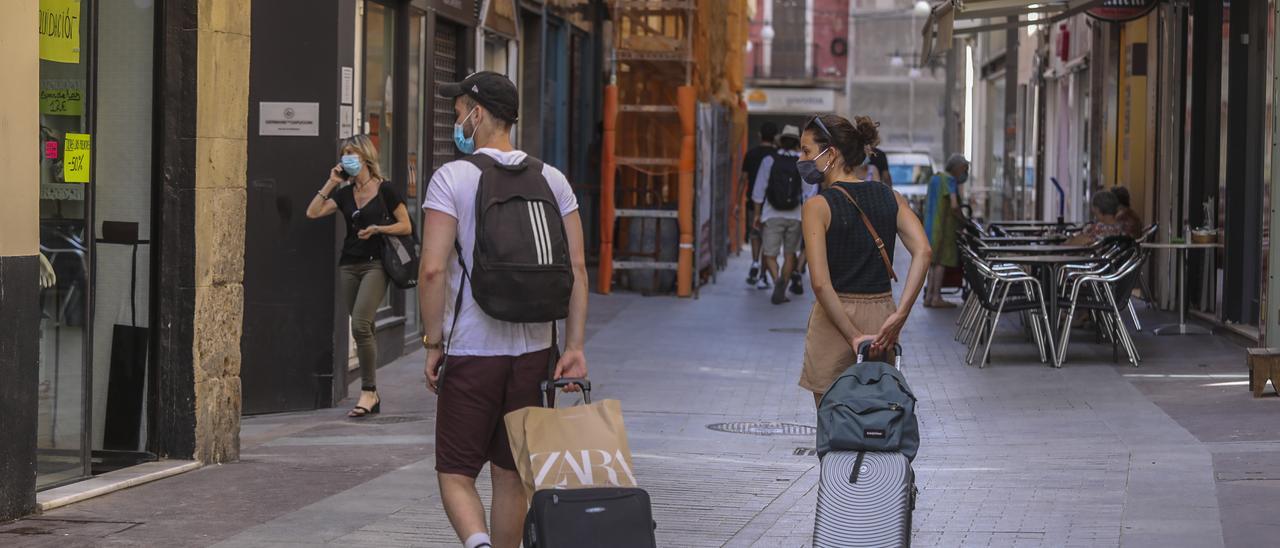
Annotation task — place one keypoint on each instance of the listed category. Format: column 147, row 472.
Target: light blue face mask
column 466, row 145
column 351, row 164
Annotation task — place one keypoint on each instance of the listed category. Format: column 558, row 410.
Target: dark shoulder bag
column 399, row 253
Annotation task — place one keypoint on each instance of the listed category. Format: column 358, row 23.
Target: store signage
column 75, row 161
column 790, row 100
column 289, row 119
column 61, row 98
column 60, row 31
column 348, row 79
column 51, row 150
column 1119, row 11
column 345, row 121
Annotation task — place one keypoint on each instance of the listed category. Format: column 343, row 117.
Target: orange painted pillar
column 686, row 103
column 608, row 173
column 737, row 191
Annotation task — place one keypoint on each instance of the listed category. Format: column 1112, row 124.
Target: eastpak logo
column 873, row 433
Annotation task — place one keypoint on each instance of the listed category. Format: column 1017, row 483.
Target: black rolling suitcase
column 594, row 517
column 865, row 498
column 614, row 517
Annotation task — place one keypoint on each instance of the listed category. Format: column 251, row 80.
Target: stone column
column 221, row 163
column 19, row 262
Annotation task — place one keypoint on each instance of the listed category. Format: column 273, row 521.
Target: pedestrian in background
column 849, row 238
column 750, row 167
column 494, row 366
column 1105, row 207
column 942, row 216
column 1126, row 216
column 368, row 205
column 779, row 193
column 878, row 168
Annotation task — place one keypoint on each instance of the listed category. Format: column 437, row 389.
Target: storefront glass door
column 95, row 211
column 65, row 246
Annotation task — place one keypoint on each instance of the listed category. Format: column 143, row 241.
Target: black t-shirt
column 881, row 163
column 751, row 163
column 355, row 250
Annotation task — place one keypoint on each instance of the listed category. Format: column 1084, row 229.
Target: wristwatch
column 427, row 344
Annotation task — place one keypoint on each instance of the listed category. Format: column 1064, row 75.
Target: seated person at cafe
column 1105, row 208
column 1127, row 217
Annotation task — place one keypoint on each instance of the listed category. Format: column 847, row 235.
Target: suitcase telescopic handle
column 864, row 346
column 549, row 387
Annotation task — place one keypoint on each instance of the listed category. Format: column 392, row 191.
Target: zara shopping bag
column 571, row 447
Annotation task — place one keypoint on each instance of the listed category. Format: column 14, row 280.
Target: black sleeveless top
column 852, row 256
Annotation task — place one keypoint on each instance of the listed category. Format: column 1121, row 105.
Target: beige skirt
column 826, row 352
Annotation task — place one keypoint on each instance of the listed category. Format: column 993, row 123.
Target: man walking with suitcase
column 503, row 245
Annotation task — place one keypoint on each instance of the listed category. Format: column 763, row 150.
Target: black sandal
column 360, row 411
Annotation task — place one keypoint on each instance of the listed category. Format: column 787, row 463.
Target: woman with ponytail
column 850, row 230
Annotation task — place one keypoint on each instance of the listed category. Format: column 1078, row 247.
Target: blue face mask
column 351, row 164
column 466, row 145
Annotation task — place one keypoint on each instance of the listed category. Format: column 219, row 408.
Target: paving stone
column 1016, row 454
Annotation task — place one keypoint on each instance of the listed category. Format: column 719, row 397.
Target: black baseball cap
column 494, row 91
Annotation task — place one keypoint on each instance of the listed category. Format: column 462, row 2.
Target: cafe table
column 993, row 241
column 1182, row 328
column 1036, row 249
column 1026, row 223
column 1033, row 230
column 1047, row 266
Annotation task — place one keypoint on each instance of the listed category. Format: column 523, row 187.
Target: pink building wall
column 830, row 21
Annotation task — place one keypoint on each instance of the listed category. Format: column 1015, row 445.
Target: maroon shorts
column 475, row 394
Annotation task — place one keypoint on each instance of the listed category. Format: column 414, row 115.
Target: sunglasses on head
column 818, row 121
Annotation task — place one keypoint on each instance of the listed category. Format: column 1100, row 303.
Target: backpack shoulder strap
column 884, row 255
column 482, row 161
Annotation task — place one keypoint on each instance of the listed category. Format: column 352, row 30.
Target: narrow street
column 1174, row 453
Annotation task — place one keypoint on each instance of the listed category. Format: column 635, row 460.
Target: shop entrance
column 95, row 238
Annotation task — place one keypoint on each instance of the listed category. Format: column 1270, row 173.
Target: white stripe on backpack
column 546, row 232
column 537, row 234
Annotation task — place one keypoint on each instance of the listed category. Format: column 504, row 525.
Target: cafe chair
column 997, row 291
column 1099, row 294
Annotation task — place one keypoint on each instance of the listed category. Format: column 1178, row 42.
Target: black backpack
column 784, row 191
column 520, row 269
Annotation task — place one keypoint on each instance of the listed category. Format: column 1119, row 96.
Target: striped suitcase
column 865, row 499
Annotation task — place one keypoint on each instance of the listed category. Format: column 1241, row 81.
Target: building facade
column 850, row 57
column 162, row 274
column 1171, row 100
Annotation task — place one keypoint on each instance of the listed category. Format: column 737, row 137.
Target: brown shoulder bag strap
column 884, row 255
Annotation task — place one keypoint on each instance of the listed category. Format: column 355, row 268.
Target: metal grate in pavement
column 764, row 428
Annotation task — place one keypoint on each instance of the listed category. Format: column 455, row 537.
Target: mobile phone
column 342, row 173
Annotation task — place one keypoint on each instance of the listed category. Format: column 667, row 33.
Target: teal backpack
column 869, row 407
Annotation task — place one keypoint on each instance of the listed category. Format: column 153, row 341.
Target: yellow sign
column 75, row 158
column 61, row 101
column 60, row 31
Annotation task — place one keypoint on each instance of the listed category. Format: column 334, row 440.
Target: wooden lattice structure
column 668, row 55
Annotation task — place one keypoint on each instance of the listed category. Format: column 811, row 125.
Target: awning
column 940, row 26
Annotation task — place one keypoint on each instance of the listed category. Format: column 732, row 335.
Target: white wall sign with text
column 345, row 122
column 289, row 119
column 348, row 84
column 790, row 100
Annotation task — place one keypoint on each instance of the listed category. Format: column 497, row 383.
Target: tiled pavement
column 1016, row 454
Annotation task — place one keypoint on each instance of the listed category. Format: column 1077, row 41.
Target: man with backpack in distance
column 503, row 246
column 778, row 194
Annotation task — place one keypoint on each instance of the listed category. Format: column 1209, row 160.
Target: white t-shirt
column 453, row 191
column 762, row 184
